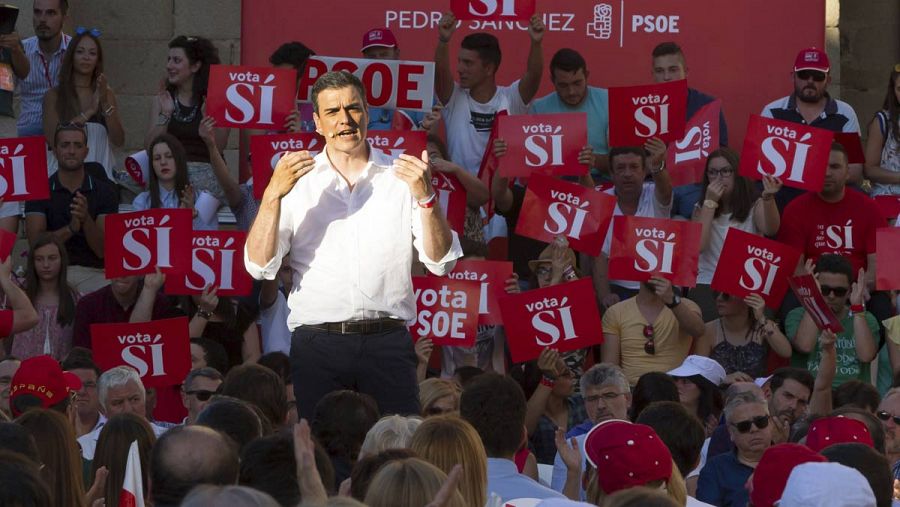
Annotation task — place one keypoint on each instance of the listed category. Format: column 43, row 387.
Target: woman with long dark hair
column 112, row 451
column 698, row 379
column 59, row 454
column 53, row 299
column 729, row 202
column 883, row 144
column 84, row 97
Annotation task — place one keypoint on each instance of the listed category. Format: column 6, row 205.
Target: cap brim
column 684, row 371
column 377, row 45
column 825, row 70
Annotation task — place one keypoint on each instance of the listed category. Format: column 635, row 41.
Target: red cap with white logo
column 812, row 59
column 378, row 37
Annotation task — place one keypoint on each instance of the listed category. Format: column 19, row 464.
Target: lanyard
column 46, row 69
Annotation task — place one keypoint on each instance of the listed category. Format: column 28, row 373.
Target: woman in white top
column 169, row 186
column 729, row 202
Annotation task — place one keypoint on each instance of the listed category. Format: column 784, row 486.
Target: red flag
column 686, row 158
column 751, row 264
column 132, row 493
column 643, row 246
column 547, row 143
column 638, row 113
column 489, row 163
column 798, row 154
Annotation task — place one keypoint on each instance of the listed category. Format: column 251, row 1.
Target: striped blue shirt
column 44, row 74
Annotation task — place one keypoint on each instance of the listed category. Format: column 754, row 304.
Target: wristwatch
column 676, row 300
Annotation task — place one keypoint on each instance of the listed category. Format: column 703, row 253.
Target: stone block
column 213, row 19
column 131, row 20
column 229, row 50
column 135, row 67
column 832, row 13
column 135, row 113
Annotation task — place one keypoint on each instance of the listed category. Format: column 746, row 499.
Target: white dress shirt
column 350, row 251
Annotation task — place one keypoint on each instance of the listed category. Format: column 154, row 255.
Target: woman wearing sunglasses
column 741, row 337
column 729, row 201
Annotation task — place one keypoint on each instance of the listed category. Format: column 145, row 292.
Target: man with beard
column 810, row 104
column 45, row 54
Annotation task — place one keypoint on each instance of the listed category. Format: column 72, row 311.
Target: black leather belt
column 364, row 326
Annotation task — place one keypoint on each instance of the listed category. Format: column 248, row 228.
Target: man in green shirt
column 856, row 344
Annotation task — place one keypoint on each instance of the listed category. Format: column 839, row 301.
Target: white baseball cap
column 707, row 368
column 826, row 485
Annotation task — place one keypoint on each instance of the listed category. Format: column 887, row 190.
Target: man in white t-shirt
column 634, row 197
column 471, row 104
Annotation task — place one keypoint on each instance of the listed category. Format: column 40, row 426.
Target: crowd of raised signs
column 644, row 315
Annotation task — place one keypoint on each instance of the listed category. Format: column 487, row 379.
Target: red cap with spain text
column 378, row 37
column 812, row 59
column 42, row 377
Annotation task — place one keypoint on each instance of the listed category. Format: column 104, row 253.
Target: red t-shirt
column 847, row 227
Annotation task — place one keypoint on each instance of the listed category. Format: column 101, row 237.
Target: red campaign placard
column 686, row 158
column 492, row 10
column 555, row 207
column 492, row 276
column 642, row 247
column 638, row 113
column 487, row 169
column 395, row 142
column 250, row 97
column 889, row 205
column 137, row 242
column 452, row 197
column 267, row 150
column 798, row 154
column 853, row 144
column 217, row 259
column 549, row 143
column 23, row 169
column 806, row 288
column 446, row 310
column 160, row 350
column 563, row 317
column 391, row 84
column 887, row 269
column 751, row 264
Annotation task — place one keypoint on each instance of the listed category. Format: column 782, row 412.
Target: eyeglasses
column 725, row 171
column 201, row 394
column 816, row 75
column 837, row 291
column 744, row 426
column 885, row 416
column 649, row 345
column 605, row 397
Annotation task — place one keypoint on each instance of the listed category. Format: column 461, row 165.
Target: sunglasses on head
column 649, row 345
column 744, row 426
column 202, row 394
column 816, row 75
column 885, row 416
column 837, row 291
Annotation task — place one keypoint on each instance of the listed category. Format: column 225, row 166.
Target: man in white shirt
column 348, row 217
column 121, row 391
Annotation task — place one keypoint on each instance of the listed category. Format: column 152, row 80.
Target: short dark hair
column 233, row 417
column 334, row 80
column 856, row 393
column 668, row 48
column 213, row 353
column 800, row 375
column 187, row 456
column 205, row 372
column 15, row 438
column 77, row 360
column 566, row 60
column 627, row 150
column 872, row 465
column 260, row 386
column 837, row 264
column 341, row 420
column 838, row 147
column 680, row 430
column 486, row 45
column 876, row 429
column 279, row 363
column 494, row 405
column 21, row 482
column 268, row 464
column 465, row 374
column 653, row 386
column 365, row 469
column 68, row 127
column 292, row 53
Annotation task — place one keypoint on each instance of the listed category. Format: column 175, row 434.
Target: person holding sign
column 883, row 143
column 728, row 203
column 348, row 217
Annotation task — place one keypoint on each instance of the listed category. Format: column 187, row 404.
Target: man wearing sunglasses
column 889, row 414
column 199, row 386
column 722, row 479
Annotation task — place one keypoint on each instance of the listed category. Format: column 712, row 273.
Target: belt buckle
column 344, row 327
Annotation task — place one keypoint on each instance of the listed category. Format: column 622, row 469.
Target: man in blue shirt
column 569, row 75
column 495, row 406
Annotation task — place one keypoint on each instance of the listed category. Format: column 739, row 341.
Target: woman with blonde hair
column 446, row 440
column 59, row 454
column 410, row 482
column 438, row 396
column 390, row 432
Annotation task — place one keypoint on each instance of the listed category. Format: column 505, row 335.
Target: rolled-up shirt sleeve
column 448, row 261
column 285, row 234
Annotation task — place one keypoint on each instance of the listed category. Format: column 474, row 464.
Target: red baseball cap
column 812, row 59
column 627, row 455
column 774, row 469
column 41, row 376
column 378, row 37
column 828, row 431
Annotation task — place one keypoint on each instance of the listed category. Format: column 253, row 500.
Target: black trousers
column 382, row 365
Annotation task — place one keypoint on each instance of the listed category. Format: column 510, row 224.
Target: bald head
column 187, row 456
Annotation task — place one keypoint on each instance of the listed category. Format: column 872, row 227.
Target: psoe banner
column 389, row 83
column 446, row 310
column 160, row 350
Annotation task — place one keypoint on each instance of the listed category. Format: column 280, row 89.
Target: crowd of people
column 311, row 391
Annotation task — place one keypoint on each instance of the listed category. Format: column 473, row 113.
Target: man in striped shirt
column 45, row 52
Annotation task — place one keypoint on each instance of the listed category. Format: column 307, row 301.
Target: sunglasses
column 202, row 395
column 886, row 416
column 816, row 75
column 837, row 291
column 744, row 426
column 649, row 345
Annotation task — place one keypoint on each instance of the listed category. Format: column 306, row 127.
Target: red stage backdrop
column 741, row 51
